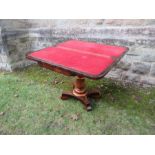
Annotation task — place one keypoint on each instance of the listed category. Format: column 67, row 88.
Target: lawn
column 30, row 104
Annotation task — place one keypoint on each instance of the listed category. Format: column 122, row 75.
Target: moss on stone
column 24, row 40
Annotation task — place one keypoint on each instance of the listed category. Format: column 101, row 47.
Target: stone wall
column 4, row 64
column 138, row 65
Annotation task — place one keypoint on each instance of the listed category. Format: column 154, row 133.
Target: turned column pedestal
column 79, row 92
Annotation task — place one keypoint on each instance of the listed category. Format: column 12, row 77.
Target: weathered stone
column 140, row 68
column 21, row 48
column 152, row 72
column 142, row 50
column 5, row 66
column 12, row 49
column 4, row 58
column 23, row 40
column 128, row 22
column 128, row 76
column 18, row 39
column 123, row 65
column 148, row 80
column 100, row 22
column 148, row 58
column 114, row 73
column 1, row 49
column 21, row 64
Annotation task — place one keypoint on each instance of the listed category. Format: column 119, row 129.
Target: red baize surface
column 109, row 50
column 84, row 57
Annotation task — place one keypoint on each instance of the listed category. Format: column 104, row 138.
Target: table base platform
column 80, row 93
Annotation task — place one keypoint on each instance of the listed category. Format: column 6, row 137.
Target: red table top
column 86, row 58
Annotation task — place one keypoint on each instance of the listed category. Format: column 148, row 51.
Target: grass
column 30, row 104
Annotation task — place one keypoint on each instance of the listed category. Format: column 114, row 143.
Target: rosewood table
column 81, row 59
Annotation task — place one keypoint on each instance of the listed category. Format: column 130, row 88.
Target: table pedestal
column 79, row 92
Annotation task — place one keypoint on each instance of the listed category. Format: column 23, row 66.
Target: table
column 81, row 59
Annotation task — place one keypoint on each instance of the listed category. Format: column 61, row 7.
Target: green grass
column 30, row 104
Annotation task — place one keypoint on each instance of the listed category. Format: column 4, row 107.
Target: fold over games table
column 81, row 59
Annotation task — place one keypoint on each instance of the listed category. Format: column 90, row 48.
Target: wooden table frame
column 79, row 87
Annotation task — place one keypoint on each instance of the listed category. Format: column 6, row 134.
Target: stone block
column 4, row 58
column 141, row 51
column 152, row 72
column 114, row 73
column 22, row 47
column 118, row 22
column 12, row 49
column 0, row 59
column 132, row 58
column 123, row 65
column 141, row 68
column 1, row 49
column 148, row 80
column 128, row 76
column 148, row 58
column 21, row 64
column 23, row 40
column 5, row 66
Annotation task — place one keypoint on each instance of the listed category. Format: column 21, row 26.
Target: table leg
column 79, row 92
